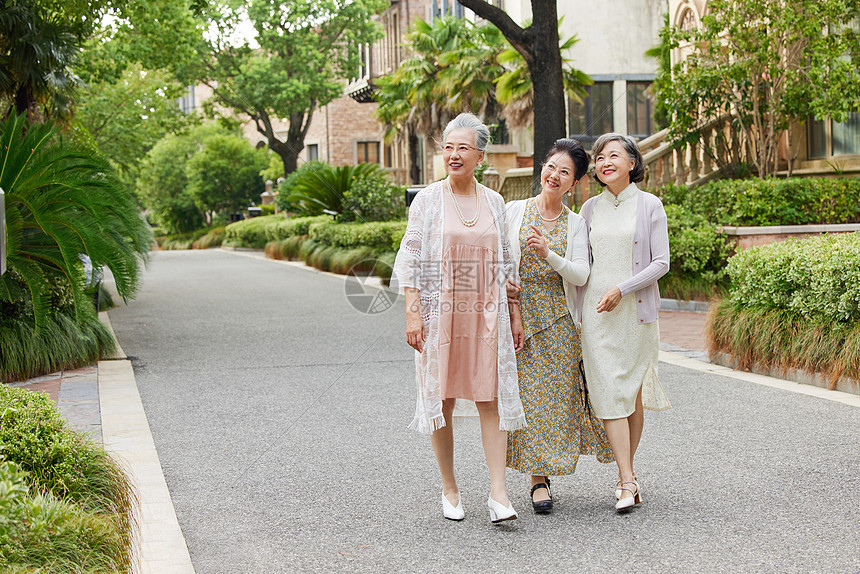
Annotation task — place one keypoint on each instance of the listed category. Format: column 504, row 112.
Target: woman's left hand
column 610, row 300
column 518, row 332
column 537, row 241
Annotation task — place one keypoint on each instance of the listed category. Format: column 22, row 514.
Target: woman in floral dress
column 550, row 246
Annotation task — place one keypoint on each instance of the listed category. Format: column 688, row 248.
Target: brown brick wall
column 349, row 122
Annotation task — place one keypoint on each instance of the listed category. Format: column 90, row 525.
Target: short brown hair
column 637, row 174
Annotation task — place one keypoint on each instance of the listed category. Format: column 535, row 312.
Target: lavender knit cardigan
column 650, row 255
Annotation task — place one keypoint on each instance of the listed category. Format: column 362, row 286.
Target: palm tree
column 515, row 91
column 457, row 65
column 37, row 49
column 63, row 202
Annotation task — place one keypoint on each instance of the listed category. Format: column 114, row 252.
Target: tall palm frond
column 322, row 189
column 63, row 202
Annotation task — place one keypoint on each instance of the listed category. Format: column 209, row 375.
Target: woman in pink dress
column 452, row 261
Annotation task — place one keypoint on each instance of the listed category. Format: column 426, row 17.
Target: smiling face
column 557, row 175
column 459, row 153
column 613, row 166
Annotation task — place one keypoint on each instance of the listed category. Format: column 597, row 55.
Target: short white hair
column 470, row 122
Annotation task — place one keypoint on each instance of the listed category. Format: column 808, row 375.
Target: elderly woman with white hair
column 628, row 244
column 452, row 266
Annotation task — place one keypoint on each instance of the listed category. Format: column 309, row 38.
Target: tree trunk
column 546, row 75
column 538, row 44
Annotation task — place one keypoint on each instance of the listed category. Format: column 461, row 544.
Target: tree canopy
column 457, row 65
column 302, row 52
column 765, row 65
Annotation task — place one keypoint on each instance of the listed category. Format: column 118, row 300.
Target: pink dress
column 468, row 334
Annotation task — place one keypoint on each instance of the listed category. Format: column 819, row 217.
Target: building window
column 593, row 117
column 817, row 138
column 313, row 152
column 367, row 152
column 186, row 102
column 846, row 135
column 688, row 21
column 364, row 61
column 826, row 138
column 442, row 8
column 640, row 110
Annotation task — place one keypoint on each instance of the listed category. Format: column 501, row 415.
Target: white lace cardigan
column 418, row 265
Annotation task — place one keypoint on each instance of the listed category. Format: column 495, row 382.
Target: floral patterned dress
column 561, row 425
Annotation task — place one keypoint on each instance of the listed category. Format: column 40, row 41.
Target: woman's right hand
column 513, row 290
column 415, row 331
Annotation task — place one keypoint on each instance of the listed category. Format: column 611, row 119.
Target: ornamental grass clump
column 794, row 304
column 65, row 504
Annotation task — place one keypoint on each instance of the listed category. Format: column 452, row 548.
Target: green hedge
column 794, row 304
column 756, row 202
column 816, row 278
column 250, row 232
column 293, row 226
column 381, row 235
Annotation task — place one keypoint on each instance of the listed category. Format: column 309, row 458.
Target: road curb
column 764, row 380
column 161, row 547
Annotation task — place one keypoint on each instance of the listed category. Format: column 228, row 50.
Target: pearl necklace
column 546, row 219
column 463, row 220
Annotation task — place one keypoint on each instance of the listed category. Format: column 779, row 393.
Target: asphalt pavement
column 279, row 414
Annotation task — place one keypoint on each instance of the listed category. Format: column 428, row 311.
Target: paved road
column 280, row 413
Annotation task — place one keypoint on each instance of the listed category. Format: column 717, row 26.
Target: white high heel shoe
column 628, row 501
column 452, row 512
column 499, row 512
column 618, row 486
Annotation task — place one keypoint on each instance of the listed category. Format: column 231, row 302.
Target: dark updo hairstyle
column 637, row 174
column 574, row 150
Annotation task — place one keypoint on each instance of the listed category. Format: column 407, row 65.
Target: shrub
column 293, row 226
column 793, row 304
column 213, row 238
column 249, row 232
column 698, row 256
column 380, row 235
column 84, row 514
column 794, row 201
column 815, row 278
column 320, row 188
column 285, row 248
column 372, row 197
column 62, row 201
column 287, row 186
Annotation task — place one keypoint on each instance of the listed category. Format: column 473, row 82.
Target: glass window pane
column 313, row 152
column 367, row 152
column 577, row 118
column 639, row 109
column 593, row 117
column 846, row 135
column 817, row 142
column 601, row 108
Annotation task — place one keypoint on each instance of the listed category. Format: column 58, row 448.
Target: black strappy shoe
column 543, row 506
